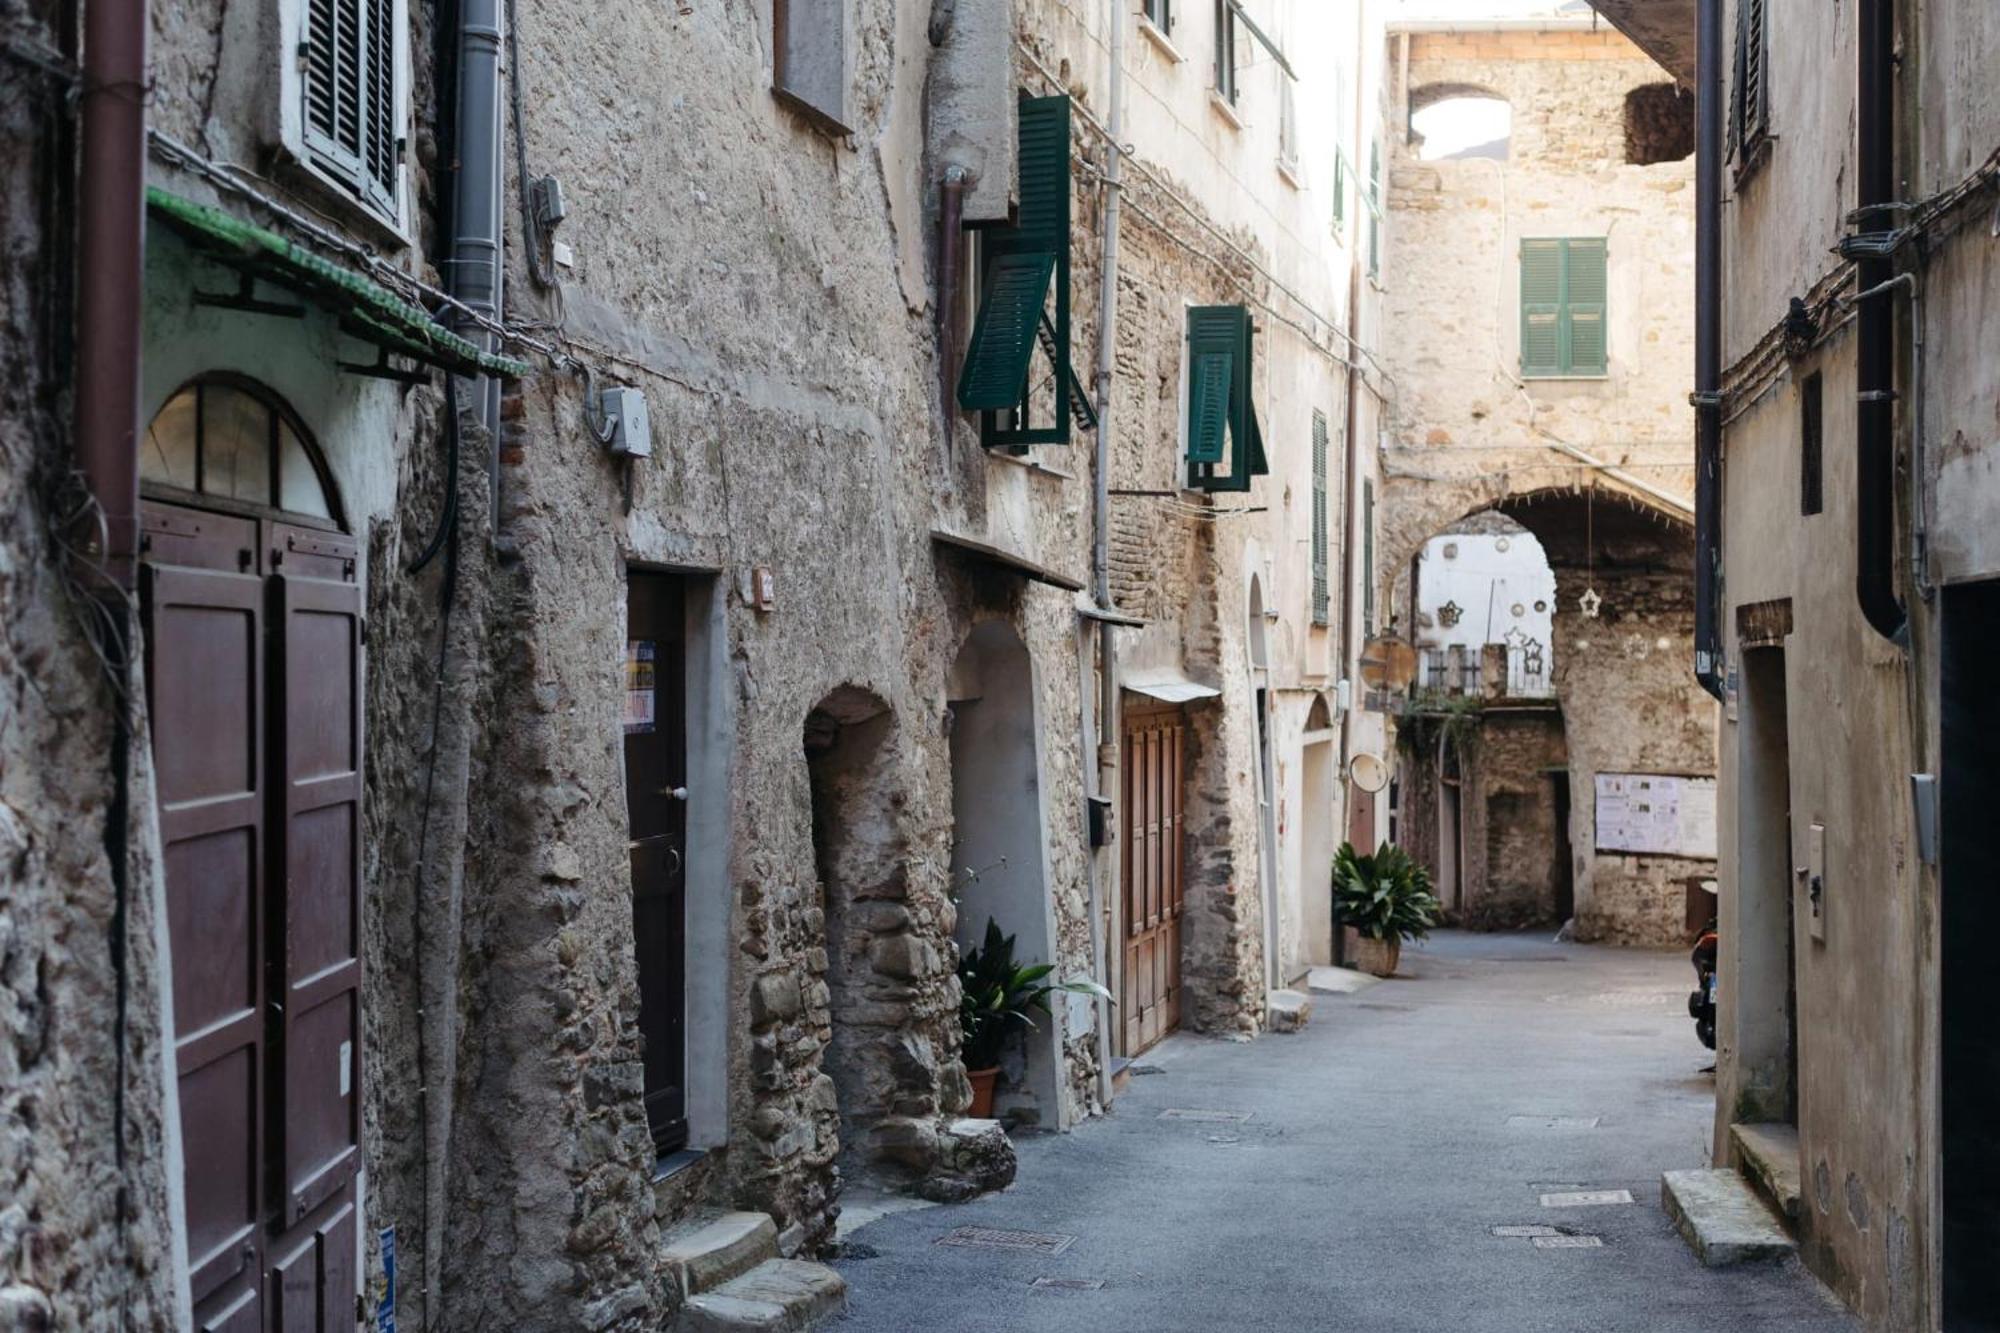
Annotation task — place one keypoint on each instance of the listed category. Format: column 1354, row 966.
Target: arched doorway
column 252, row 604
column 998, row 847
column 1309, row 933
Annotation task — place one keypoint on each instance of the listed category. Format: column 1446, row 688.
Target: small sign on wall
column 640, row 687
column 1656, row 814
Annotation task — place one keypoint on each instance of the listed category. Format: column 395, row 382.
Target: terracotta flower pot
column 982, row 1081
column 1378, row 958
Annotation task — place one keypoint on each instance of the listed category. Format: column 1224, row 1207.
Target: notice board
column 1656, row 814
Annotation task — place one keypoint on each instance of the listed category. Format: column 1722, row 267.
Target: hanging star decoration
column 1449, row 613
column 1589, row 603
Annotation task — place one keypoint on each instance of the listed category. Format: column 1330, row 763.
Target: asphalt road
column 1381, row 1147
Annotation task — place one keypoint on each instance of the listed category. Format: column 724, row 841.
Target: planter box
column 1378, row 958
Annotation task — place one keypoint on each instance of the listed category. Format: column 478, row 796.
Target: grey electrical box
column 546, row 194
column 631, row 434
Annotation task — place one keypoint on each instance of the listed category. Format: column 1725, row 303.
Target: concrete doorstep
column 1769, row 1156
column 1722, row 1218
column 729, row 1273
column 1338, row 981
column 1290, row 1010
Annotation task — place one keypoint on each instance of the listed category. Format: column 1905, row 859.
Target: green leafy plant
column 1001, row 996
column 1386, row 896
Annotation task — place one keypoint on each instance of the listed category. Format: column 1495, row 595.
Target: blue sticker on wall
column 385, row 1309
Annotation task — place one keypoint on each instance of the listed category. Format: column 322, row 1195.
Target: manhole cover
column 1068, row 1283
column 1387, row 1008
column 1551, row 1122
column 994, row 1238
column 1586, row 1198
column 1210, row 1117
column 1568, row 1242
column 1524, row 1232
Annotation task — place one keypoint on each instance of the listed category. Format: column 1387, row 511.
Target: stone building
column 1541, row 217
column 1848, row 439
column 545, row 609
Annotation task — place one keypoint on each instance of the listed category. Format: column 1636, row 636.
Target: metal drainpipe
column 477, row 206
column 1708, row 350
column 111, row 273
column 951, row 253
column 1100, row 555
column 1875, row 353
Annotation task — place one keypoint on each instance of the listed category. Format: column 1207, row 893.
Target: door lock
column 675, row 793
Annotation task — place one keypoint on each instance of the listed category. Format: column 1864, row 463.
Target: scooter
column 1701, row 1001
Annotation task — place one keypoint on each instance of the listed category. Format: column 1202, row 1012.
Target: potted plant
column 1386, row 898
column 998, row 999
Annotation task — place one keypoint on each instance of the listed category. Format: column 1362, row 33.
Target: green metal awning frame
column 366, row 309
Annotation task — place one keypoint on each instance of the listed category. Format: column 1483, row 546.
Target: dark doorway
column 656, row 810
column 1765, row 1023
column 253, row 676
column 1565, row 859
column 1969, row 868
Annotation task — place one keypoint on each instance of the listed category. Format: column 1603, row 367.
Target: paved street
column 1380, row 1150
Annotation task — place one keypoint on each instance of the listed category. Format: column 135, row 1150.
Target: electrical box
column 546, row 197
column 1815, row 881
column 631, row 433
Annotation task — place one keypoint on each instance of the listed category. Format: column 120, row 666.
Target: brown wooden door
column 656, row 808
column 1151, row 857
column 255, row 695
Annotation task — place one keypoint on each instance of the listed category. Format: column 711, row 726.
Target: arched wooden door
column 252, row 605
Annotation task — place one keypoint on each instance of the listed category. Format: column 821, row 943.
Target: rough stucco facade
column 771, row 287
column 1596, row 466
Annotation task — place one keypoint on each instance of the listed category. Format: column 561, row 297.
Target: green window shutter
column 1368, row 557
column 1208, row 404
column 1219, row 361
column 1541, row 307
column 1321, row 598
column 1339, row 188
column 1003, row 337
column 1585, row 296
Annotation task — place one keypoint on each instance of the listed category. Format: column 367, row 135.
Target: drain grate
column 1552, row 1122
column 1568, row 1242
column 1622, row 999
column 1068, row 1283
column 1525, row 1232
column 1586, row 1198
column 1207, row 1117
column 996, row 1238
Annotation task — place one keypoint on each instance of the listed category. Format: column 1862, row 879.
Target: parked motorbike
column 1701, row 1001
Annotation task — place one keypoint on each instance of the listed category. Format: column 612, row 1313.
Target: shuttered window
column 1322, row 599
column 352, row 130
column 1225, row 446
column 1564, row 290
column 1225, row 51
column 1750, row 91
column 1368, row 558
column 1160, row 13
column 1024, row 301
column 1374, row 202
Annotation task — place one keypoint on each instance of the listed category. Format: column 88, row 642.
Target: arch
column 999, row 873
column 1659, row 124
column 1450, row 121
column 228, row 441
column 1319, row 717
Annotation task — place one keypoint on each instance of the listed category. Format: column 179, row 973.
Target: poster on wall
column 640, row 691
column 1656, row 814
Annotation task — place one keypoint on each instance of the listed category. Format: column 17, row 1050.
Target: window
column 1222, row 420
column 1160, row 13
column 1225, row 51
column 1368, row 557
column 1811, row 424
column 1288, row 127
column 1024, row 301
column 1341, row 171
column 809, row 65
column 227, row 439
column 1563, row 292
column 1659, row 124
column 1374, row 202
column 352, row 122
column 1321, row 597
column 1750, row 92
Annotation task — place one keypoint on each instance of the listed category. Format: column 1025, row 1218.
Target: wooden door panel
column 1150, row 878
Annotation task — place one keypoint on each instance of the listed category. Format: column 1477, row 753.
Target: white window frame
column 291, row 120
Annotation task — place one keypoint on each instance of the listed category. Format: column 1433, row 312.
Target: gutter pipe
column 477, row 208
column 1875, row 365
column 1707, row 397
column 111, row 275
column 1100, row 554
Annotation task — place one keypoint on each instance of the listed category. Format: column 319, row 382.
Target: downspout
column 1875, row 364
column 951, row 253
column 1100, row 501
column 477, row 212
column 1707, row 396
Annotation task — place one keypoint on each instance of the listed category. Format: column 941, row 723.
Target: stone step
column 709, row 1249
column 1769, row 1155
column 777, row 1296
column 1722, row 1218
column 1290, row 1010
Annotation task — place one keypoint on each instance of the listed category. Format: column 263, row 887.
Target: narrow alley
column 1353, row 1175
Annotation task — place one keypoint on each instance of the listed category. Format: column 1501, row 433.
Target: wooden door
column 254, row 693
column 656, row 808
column 1151, row 860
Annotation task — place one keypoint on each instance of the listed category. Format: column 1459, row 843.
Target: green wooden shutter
column 1339, row 189
column 1219, row 364
column 1025, row 264
column 1368, row 557
column 1584, row 301
column 1321, row 598
column 1541, row 307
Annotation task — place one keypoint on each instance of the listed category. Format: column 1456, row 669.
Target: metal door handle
column 675, row 852
column 676, row 793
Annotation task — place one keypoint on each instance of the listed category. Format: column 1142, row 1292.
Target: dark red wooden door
column 1150, row 838
column 656, row 808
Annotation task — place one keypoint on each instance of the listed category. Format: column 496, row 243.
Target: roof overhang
column 1167, row 685
column 989, row 554
column 1663, row 29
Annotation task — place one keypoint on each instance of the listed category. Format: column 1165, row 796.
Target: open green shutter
column 1214, row 342
column 1321, row 599
column 1585, row 297
column 1003, row 337
column 1541, row 307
